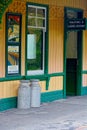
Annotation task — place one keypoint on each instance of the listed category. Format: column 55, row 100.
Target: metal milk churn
column 35, row 93
column 24, row 95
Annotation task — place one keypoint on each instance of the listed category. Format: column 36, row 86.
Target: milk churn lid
column 24, row 81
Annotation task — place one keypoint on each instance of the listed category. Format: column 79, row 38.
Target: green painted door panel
column 71, row 76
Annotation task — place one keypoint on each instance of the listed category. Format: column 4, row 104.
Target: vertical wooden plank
column 85, row 50
column 9, row 89
column 84, row 80
column 23, row 45
column 2, row 48
column 56, row 46
column 56, row 83
column 43, row 86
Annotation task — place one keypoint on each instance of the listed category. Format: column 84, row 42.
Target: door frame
column 80, row 49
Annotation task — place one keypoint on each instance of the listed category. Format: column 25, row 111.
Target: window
column 36, row 39
column 13, row 43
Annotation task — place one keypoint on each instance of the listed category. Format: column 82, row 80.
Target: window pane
column 35, row 49
column 31, row 11
column 71, row 14
column 40, row 22
column 41, row 13
column 13, row 59
column 32, row 22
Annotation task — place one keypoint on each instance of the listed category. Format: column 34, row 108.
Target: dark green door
column 71, row 63
column 73, row 55
column 71, row 76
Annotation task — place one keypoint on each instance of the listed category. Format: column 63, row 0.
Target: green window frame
column 13, row 44
column 36, row 39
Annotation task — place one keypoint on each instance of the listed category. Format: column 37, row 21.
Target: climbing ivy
column 3, row 5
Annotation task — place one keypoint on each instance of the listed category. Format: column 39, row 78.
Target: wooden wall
column 56, row 42
column 84, row 63
column 84, row 78
column 8, row 89
column 2, row 48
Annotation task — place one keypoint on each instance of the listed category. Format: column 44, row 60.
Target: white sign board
column 31, row 46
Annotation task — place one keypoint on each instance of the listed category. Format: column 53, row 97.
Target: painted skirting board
column 8, row 103
column 84, row 91
column 51, row 96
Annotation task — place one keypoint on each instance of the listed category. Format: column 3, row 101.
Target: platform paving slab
column 64, row 114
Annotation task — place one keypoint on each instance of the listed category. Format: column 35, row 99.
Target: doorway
column 73, row 56
column 71, row 63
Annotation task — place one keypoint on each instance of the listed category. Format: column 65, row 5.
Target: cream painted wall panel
column 56, row 46
column 73, row 3
column 51, row 46
column 56, row 83
column 1, row 90
column 2, row 49
column 84, row 76
column 9, row 89
column 84, row 80
column 80, row 4
column 43, row 86
column 85, row 50
column 1, row 52
column 69, row 3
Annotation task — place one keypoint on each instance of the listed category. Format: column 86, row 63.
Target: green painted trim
column 45, row 77
column 84, row 90
column 6, row 46
column 13, row 44
column 80, row 52
column 51, row 96
column 70, row 94
column 8, row 103
column 72, row 8
column 3, row 5
column 12, row 78
column 46, row 36
column 84, row 72
column 79, row 76
column 35, row 3
column 65, row 42
column 41, row 77
column 47, row 83
column 26, row 39
column 56, row 74
column 47, row 41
